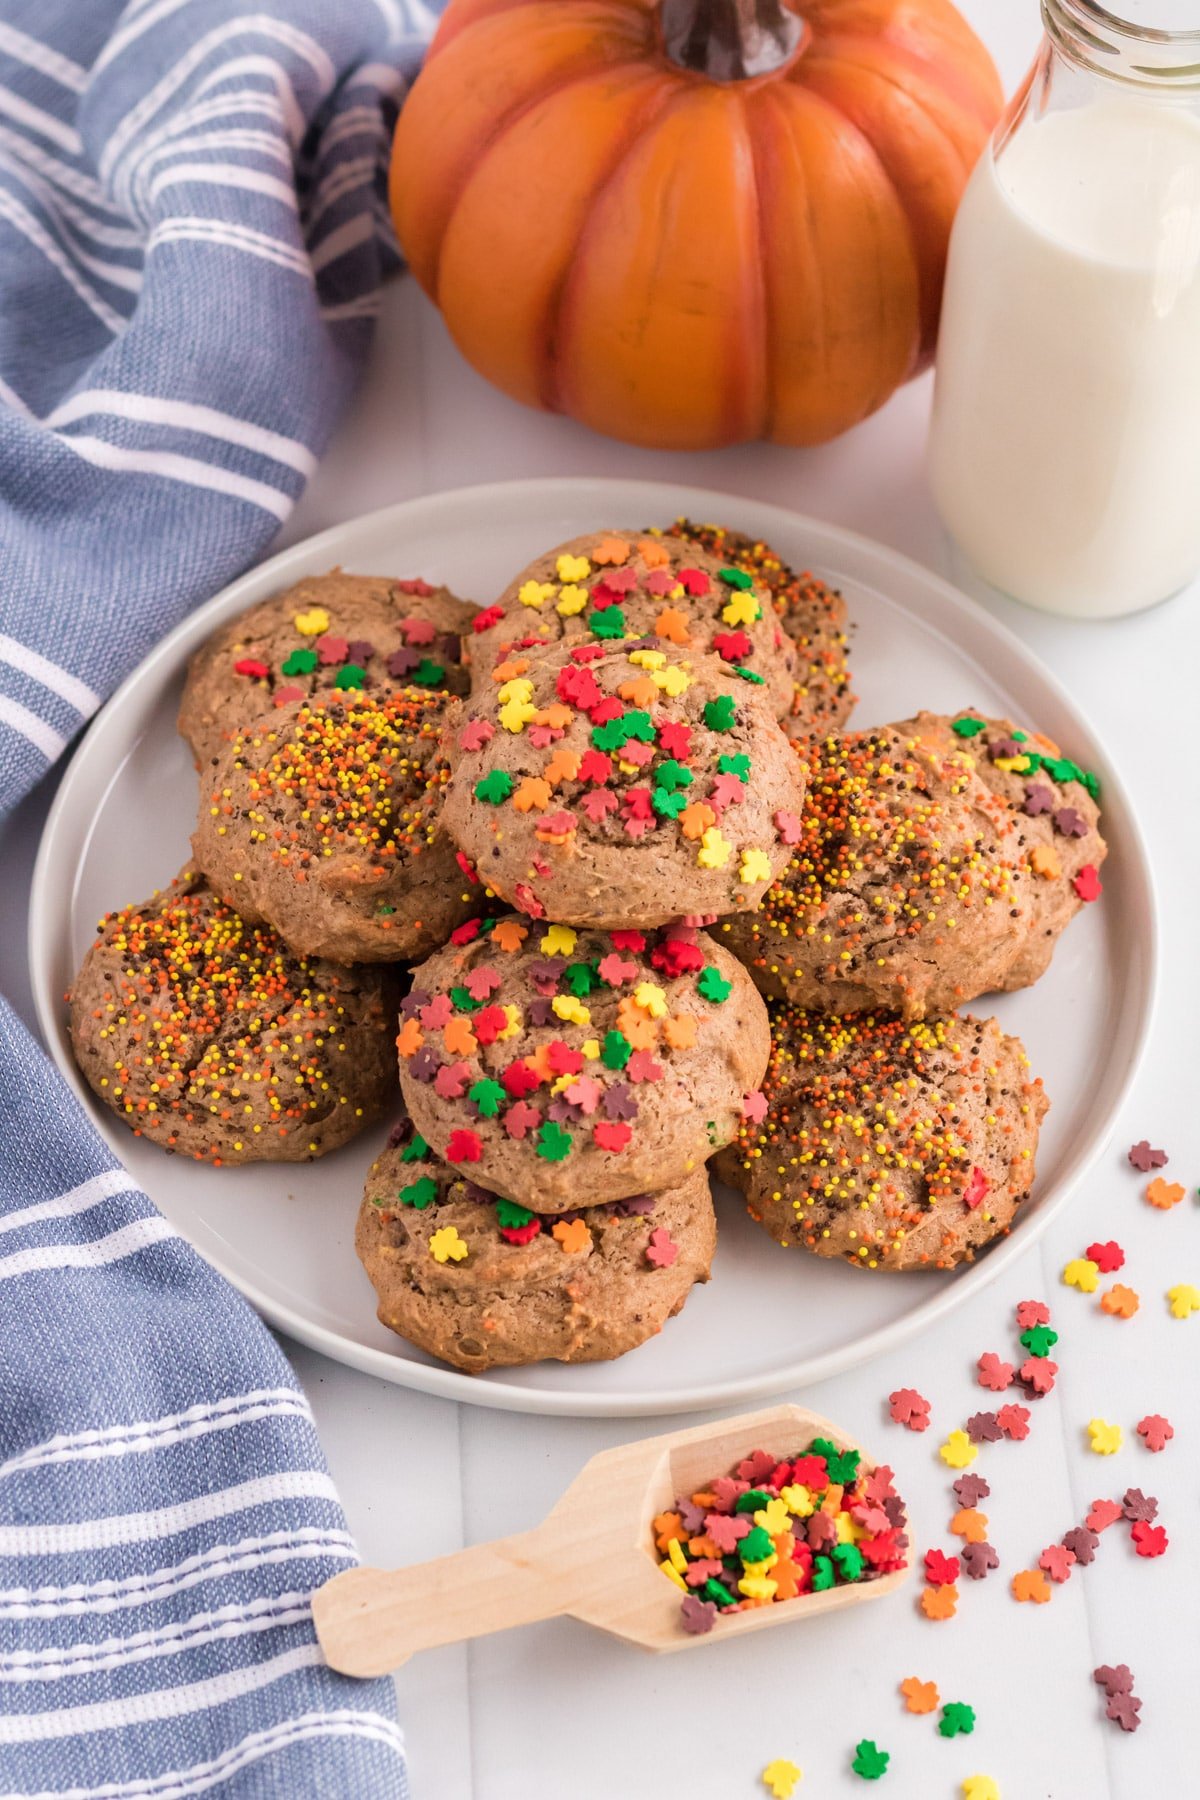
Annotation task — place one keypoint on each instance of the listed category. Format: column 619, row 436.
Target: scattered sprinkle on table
column 1031, row 1584
column 869, row 1760
column 1108, row 1257
column 1164, row 1194
column 1155, row 1431
column 780, row 1778
column 958, row 1450
column 908, row 1407
column 1123, row 1705
column 957, row 1720
column 1103, row 1438
column 993, row 1373
column 1119, row 1301
column 919, row 1696
column 940, row 1603
column 1057, row 1561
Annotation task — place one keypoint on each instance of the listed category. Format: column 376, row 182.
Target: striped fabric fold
column 165, row 1511
column 192, row 235
column 193, row 229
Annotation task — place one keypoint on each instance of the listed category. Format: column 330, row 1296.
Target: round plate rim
column 876, row 561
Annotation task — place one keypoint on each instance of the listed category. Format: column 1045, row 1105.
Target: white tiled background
column 555, row 1712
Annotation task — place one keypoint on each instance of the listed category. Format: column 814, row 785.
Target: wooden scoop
column 592, row 1558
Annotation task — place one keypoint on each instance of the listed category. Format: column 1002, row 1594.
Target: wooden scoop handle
column 371, row 1620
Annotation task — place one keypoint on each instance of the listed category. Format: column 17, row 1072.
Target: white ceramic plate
column 284, row 1235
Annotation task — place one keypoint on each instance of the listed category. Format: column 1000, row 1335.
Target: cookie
column 608, row 586
column 323, row 819
column 479, row 1281
column 892, row 1145
column 208, row 1036
column 622, row 787
column 557, row 1066
column 1051, row 823
column 903, row 890
column 345, row 632
column 812, row 614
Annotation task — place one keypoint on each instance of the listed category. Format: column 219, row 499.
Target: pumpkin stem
column 730, row 40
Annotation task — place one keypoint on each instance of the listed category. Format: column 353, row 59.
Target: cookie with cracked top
column 562, row 1067
column 811, row 613
column 324, row 818
column 337, row 631
column 904, row 889
column 609, row 586
column 1051, row 821
column 889, row 1144
column 623, row 786
column 207, row 1035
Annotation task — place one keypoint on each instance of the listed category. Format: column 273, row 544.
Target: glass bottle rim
column 1121, row 47
column 1130, row 28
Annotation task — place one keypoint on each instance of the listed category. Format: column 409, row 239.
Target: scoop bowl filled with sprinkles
column 667, row 1542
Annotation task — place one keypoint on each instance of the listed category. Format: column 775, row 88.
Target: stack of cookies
column 599, row 863
column 248, row 1012
column 937, row 859
column 618, row 780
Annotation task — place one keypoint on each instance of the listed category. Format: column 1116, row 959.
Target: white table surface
column 555, row 1710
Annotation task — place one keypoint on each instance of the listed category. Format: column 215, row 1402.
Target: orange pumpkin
column 694, row 222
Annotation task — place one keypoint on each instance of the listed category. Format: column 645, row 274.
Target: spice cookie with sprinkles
column 208, row 1036
column 892, row 1145
column 479, row 1281
column 901, row 890
column 324, row 819
column 611, row 585
column 1050, row 821
column 562, row 1067
column 623, row 787
column 812, row 614
column 345, row 632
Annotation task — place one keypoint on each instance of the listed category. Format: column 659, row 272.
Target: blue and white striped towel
column 192, row 233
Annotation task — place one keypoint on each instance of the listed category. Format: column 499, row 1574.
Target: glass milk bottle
column 1065, row 447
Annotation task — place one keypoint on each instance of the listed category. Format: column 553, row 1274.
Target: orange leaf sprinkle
column 532, row 795
column 919, row 1696
column 653, row 553
column 696, row 818
column 573, row 1235
column 680, row 1032
column 610, row 550
column 786, row 1577
column 458, row 1037
column 1120, row 1301
column 1031, row 1584
column 940, row 1602
column 969, row 1523
column 672, row 625
column 563, row 766
column 640, row 690
column 668, row 1525
column 510, row 934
